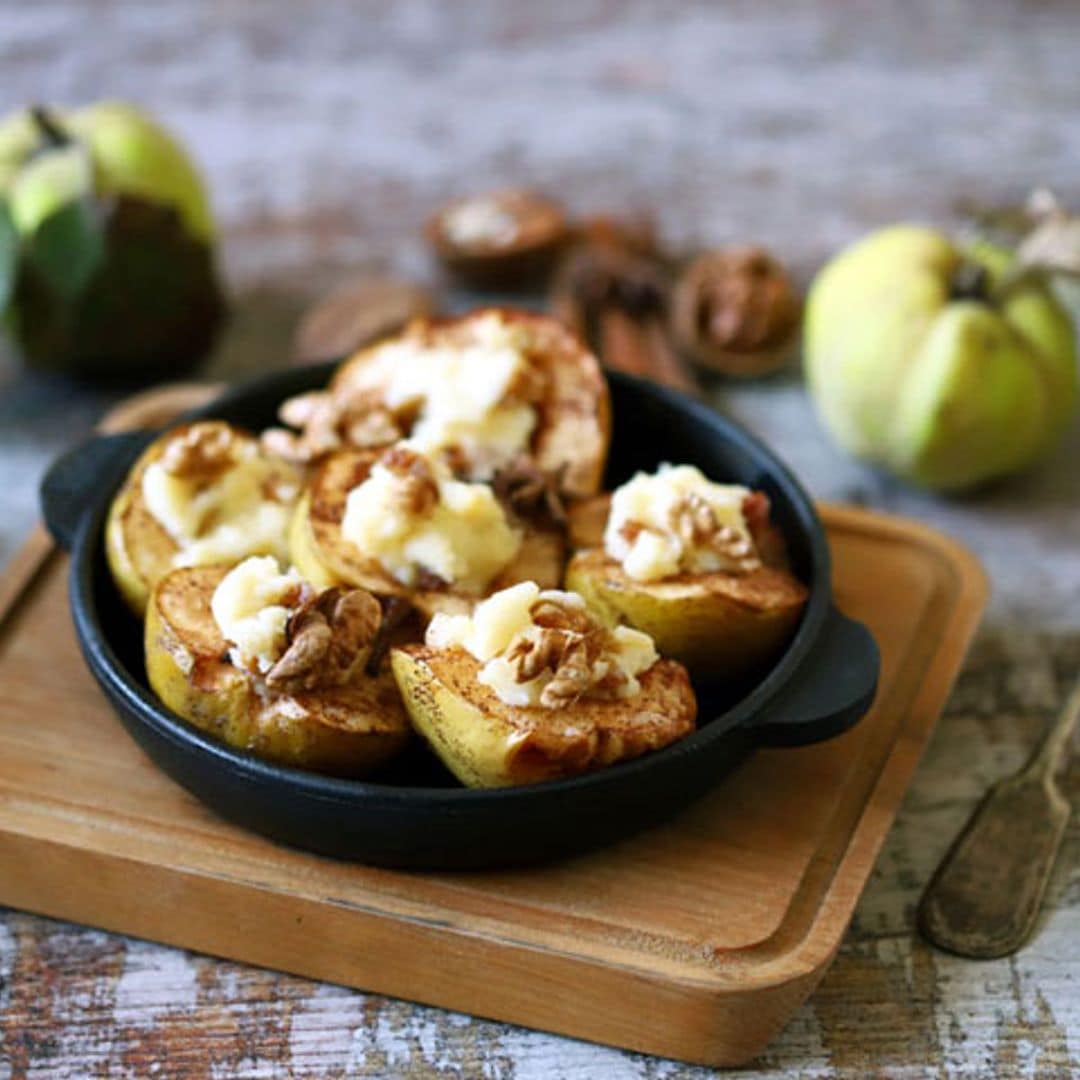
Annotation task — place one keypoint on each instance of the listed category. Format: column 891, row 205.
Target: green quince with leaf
column 948, row 366
column 106, row 244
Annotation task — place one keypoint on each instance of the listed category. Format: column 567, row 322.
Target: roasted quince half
column 694, row 564
column 201, row 494
column 398, row 523
column 532, row 687
column 491, row 393
column 268, row 664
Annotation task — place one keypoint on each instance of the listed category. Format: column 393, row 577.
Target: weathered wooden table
column 327, row 133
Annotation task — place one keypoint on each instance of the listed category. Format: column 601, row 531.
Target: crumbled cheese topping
column 483, row 220
column 464, row 393
column 243, row 510
column 461, row 533
column 251, row 607
column 677, row 521
column 502, row 633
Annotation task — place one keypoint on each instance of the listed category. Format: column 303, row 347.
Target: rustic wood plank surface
column 328, row 132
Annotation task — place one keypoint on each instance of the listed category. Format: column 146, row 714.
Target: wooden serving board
column 696, row 940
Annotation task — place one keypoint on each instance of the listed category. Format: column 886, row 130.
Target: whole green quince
column 937, row 362
column 106, row 243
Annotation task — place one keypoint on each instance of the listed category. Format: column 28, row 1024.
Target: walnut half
column 328, row 420
column 201, row 452
column 694, row 522
column 329, row 638
column 572, row 646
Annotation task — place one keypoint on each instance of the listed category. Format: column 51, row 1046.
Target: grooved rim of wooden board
column 696, row 940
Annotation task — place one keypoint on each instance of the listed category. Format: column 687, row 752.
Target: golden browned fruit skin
column 487, row 743
column 717, row 624
column 346, row 730
column 138, row 549
column 325, row 557
column 302, row 549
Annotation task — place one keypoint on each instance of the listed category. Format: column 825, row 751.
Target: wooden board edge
column 802, row 968
column 973, row 582
column 370, row 950
column 23, row 569
column 813, row 955
column 158, row 406
column 962, row 586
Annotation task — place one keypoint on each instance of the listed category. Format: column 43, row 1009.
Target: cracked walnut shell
column 736, row 312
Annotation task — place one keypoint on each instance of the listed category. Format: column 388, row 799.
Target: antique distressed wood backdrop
column 328, row 131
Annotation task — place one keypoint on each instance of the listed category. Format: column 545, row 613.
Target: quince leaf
column 67, row 248
column 9, row 256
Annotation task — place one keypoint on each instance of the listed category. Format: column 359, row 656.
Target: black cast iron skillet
column 414, row 814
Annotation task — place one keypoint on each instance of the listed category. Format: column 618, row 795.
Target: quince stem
column 970, row 281
column 53, row 134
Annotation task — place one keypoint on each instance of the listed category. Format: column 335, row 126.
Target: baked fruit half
column 491, row 391
column 268, row 664
column 203, row 493
column 531, row 687
column 695, row 565
column 398, row 523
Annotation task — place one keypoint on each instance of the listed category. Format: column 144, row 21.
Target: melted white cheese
column 648, row 502
column 461, row 393
column 226, row 519
column 502, row 622
column 247, row 607
column 465, row 538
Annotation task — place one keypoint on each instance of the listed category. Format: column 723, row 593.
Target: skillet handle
column 830, row 693
column 75, row 476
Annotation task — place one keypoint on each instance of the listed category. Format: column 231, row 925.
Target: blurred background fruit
column 939, row 363
column 106, row 244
